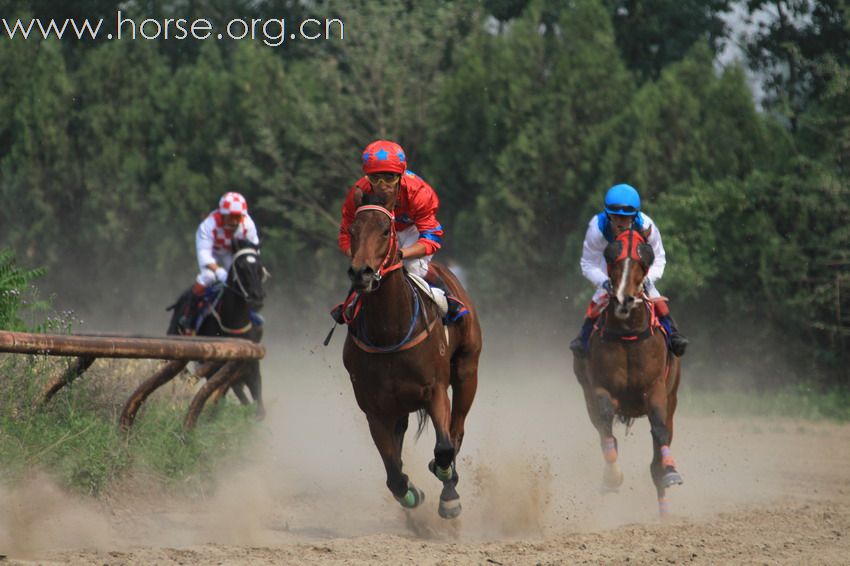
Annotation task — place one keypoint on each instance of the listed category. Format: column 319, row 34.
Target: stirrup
column 456, row 311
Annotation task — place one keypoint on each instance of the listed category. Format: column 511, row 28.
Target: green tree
column 39, row 175
column 799, row 50
column 518, row 139
column 652, row 34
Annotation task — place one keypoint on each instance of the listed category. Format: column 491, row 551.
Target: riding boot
column 193, row 307
column 580, row 342
column 456, row 307
column 678, row 342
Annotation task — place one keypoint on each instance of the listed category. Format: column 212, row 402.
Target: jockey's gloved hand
column 221, row 274
column 607, row 286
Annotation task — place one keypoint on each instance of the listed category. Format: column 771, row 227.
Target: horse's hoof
column 612, row 478
column 449, row 509
column 671, row 478
column 413, row 498
column 606, row 489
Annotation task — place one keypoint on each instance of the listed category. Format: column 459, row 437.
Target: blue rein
column 417, row 300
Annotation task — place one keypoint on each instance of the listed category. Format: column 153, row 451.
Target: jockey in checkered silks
column 213, row 243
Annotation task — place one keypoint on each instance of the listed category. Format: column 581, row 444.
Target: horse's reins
column 387, row 265
column 354, row 296
column 635, row 336
column 390, row 263
column 237, row 255
column 244, row 294
column 627, row 335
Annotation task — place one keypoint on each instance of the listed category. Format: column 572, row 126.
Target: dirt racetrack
column 757, row 491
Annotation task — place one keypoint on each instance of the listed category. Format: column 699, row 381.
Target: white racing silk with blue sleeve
column 594, row 267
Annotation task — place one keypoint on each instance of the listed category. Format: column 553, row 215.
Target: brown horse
column 629, row 371
column 401, row 358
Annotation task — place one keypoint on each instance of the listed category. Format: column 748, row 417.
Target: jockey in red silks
column 420, row 234
column 622, row 211
column 213, row 243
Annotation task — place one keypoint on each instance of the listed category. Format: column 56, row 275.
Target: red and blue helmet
column 622, row 200
column 384, row 156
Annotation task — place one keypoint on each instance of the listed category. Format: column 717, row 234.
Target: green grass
column 76, row 439
column 801, row 401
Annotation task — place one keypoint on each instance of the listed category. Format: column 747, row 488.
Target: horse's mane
column 242, row 243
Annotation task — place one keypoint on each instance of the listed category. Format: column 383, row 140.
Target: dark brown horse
column 402, row 359
column 629, row 371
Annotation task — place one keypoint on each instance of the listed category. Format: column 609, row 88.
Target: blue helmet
column 623, row 200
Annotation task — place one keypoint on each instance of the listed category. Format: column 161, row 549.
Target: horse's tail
column 422, row 424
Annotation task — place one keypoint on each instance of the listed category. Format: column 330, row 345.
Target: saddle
column 192, row 310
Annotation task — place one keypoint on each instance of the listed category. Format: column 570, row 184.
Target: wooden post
column 222, row 378
column 165, row 373
column 78, row 366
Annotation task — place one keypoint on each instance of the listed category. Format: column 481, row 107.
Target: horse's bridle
column 626, row 254
column 235, row 275
column 391, row 261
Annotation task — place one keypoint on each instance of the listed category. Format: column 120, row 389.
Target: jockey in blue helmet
column 622, row 211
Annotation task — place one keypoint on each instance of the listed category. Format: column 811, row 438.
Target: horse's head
column 374, row 243
column 247, row 274
column 629, row 258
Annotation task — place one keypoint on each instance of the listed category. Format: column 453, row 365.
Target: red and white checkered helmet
column 233, row 203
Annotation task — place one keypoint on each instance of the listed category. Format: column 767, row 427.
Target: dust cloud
column 37, row 516
column 530, row 467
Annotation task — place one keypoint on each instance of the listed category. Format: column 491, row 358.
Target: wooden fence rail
column 223, row 354
column 106, row 346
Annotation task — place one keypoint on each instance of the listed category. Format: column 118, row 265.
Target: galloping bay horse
column 629, row 371
column 233, row 315
column 402, row 359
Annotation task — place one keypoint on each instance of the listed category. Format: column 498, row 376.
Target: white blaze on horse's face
column 624, row 306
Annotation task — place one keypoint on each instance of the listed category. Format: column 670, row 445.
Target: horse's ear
column 646, row 233
column 374, row 198
column 612, row 251
column 358, row 197
column 646, row 255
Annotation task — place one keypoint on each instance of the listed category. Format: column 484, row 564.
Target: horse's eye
column 387, row 232
column 350, row 231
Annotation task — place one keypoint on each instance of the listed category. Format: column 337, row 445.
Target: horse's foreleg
column 602, row 408
column 389, row 447
column 663, row 467
column 464, row 384
column 443, row 464
column 253, row 380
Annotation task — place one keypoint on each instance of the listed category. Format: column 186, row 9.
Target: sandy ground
column 756, row 491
